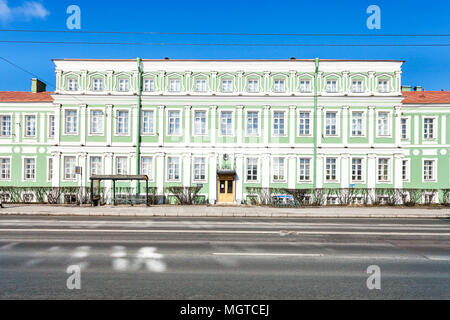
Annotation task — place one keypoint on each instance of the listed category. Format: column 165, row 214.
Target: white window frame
column 435, row 129
column 176, row 81
column 434, row 170
column 301, row 86
column 363, row 170
column 408, row 170
column 194, row 132
column 390, row 161
column 286, row 122
column 64, row 168
column 389, row 124
column 311, row 164
column 153, row 119
column 51, row 126
column 24, row 158
column 102, row 84
column 148, row 89
column 180, row 167
column 76, row 123
column 311, row 123
column 388, row 86
column 116, row 165
column 272, row 172
column 152, row 169
column 203, row 85
column 338, row 169
column 233, row 126
column 252, row 80
column 363, row 124
column 222, row 87
column 258, row 170
column 258, row 129
column 70, row 87
column 180, row 116
column 117, row 117
column 91, row 122
column 25, row 116
column 338, row 123
column 101, row 163
column 359, row 89
column 120, row 88
column 50, row 169
column 408, row 128
column 281, row 88
column 205, row 167
column 10, row 125
column 328, row 85
column 10, row 168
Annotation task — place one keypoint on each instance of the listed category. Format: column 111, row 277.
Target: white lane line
column 296, row 232
column 438, row 258
column 248, row 254
column 81, row 252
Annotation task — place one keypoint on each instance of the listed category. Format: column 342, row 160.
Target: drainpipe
column 316, row 71
column 138, row 132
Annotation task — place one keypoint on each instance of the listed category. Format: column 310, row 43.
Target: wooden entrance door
column 226, row 189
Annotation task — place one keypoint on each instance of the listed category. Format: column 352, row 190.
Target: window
column 149, row 85
column 174, row 123
column 383, row 86
column 383, row 170
column 227, row 85
column 30, row 126
column 147, row 166
column 200, row 85
column 5, row 122
column 97, row 84
column 71, row 122
column 122, row 122
column 357, row 86
column 331, row 124
column 49, row 169
column 331, row 169
column 332, row 86
column 5, row 169
column 305, row 170
column 174, row 85
column 252, row 169
column 304, row 123
column 97, row 122
column 148, row 126
column 278, row 170
column 405, row 129
column 405, row 170
column 428, row 128
column 69, row 168
column 200, row 123
column 305, row 86
column 253, row 86
column 124, row 85
column 278, row 123
column 357, row 123
column 121, row 165
column 96, row 166
column 357, row 170
column 252, row 123
column 29, row 169
column 428, row 170
column 72, row 84
column 199, row 169
column 173, row 169
column 279, row 86
column 51, row 126
column 226, row 123
column 383, row 124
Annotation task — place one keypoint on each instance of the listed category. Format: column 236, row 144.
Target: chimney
column 406, row 88
column 37, row 86
column 418, row 88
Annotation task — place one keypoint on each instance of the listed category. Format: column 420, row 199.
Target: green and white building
column 227, row 126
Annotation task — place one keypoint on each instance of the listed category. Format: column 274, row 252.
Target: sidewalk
column 232, row 211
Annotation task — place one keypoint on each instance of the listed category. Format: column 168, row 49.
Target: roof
column 22, row 96
column 233, row 60
column 426, row 97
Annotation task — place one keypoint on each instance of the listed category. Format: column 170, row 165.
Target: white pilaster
column 132, row 158
column 56, row 156
column 266, row 82
column 133, row 125
column 345, row 170
column 160, row 173
column 239, row 178
column 42, row 132
column 267, row 129
column 292, row 128
column 292, row 75
column 265, row 171
column 319, row 125
column 240, row 118
column 108, row 171
column 187, row 166
column 319, row 171
column 398, row 125
column 83, row 118
column 187, row 125
column 371, row 175
column 213, row 125
column 109, row 124
column 58, row 120
column 213, row 178
column 398, row 174
column 240, row 82
column 345, row 123
column 291, row 173
column 345, row 82
column 372, row 85
column 213, row 88
column 371, row 126
column 161, row 111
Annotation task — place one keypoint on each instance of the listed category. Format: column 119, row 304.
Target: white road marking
column 297, row 232
column 438, row 258
column 118, row 252
column 81, row 252
column 267, row 254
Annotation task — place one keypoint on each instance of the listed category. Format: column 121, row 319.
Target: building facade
column 227, row 126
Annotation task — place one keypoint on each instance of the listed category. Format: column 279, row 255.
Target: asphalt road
column 223, row 258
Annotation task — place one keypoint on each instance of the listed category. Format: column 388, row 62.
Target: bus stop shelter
column 97, row 179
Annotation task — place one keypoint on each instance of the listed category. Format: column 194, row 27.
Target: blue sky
column 429, row 67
